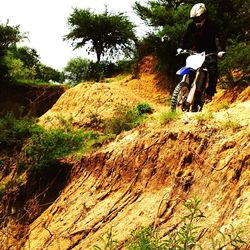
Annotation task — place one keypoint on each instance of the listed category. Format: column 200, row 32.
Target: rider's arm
column 187, row 38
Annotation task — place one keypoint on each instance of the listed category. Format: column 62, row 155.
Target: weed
column 230, row 238
column 203, row 117
column 185, row 237
column 223, row 105
column 230, row 125
column 144, row 238
column 95, row 119
column 168, row 116
column 108, row 243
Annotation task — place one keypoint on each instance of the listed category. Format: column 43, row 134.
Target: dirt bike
column 189, row 93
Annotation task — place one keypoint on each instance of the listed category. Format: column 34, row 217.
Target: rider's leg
column 213, row 76
column 197, row 105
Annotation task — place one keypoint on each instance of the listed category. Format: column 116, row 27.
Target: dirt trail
column 145, row 175
column 100, row 100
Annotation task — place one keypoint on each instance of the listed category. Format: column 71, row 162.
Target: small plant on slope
column 108, row 243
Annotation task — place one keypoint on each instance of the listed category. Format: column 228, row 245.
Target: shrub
column 235, row 66
column 14, row 131
column 144, row 108
column 126, row 118
column 46, row 147
column 125, row 66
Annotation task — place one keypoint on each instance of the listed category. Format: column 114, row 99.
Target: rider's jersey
column 200, row 39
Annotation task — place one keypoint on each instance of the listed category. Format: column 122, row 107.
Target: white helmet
column 198, row 14
column 198, row 10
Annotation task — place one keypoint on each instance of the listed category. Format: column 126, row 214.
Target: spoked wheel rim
column 179, row 97
column 182, row 98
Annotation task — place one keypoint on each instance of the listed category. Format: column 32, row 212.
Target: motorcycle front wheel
column 179, row 97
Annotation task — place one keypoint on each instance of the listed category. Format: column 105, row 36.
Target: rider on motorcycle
column 201, row 36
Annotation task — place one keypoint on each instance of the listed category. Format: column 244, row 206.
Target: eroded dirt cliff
column 145, row 175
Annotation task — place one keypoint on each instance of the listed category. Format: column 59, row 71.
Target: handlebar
column 191, row 52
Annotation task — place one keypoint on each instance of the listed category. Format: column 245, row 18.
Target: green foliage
column 46, row 147
column 40, row 148
column 230, row 124
column 168, row 116
column 46, row 73
column 17, row 68
column 127, row 118
column 235, row 65
column 76, row 69
column 108, row 243
column 14, row 131
column 144, row 238
column 9, row 36
column 170, row 18
column 125, row 66
column 28, row 56
column 184, row 237
column 95, row 71
column 80, row 69
column 231, row 238
column 105, row 33
column 202, row 117
column 144, row 108
column 21, row 63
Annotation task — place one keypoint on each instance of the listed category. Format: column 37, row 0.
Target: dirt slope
column 145, row 175
column 101, row 99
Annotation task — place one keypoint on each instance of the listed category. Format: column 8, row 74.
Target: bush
column 127, row 118
column 235, row 65
column 76, row 70
column 144, row 108
column 125, row 66
column 46, row 147
column 14, row 131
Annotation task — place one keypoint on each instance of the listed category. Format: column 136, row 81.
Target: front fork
column 197, row 85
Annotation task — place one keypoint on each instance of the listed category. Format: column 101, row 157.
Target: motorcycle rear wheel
column 179, row 97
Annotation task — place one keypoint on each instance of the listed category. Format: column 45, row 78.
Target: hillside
column 144, row 176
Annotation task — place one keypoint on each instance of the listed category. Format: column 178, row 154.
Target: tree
column 76, row 69
column 28, row 56
column 105, row 33
column 169, row 18
column 46, row 73
column 9, row 36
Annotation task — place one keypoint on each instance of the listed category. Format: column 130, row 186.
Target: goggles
column 198, row 19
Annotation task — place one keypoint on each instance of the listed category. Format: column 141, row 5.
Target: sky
column 45, row 22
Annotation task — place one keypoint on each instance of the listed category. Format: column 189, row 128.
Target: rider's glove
column 179, row 50
column 221, row 54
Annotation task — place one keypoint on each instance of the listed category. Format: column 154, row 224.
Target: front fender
column 184, row 70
